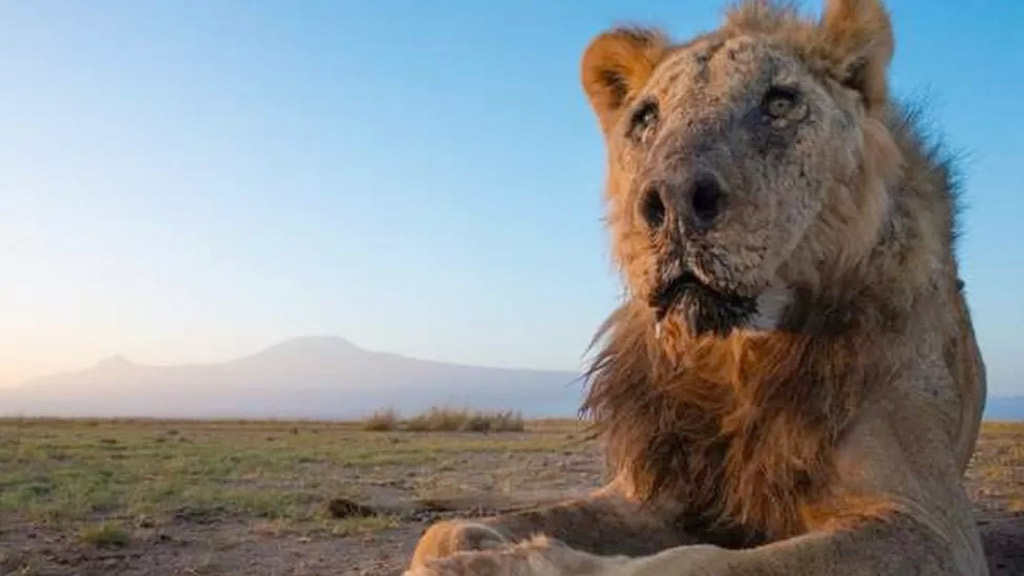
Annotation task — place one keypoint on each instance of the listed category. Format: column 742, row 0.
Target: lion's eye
column 781, row 103
column 643, row 121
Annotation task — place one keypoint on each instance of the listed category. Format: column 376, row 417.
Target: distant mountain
column 322, row 377
column 1005, row 408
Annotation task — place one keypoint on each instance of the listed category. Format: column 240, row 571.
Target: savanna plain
column 267, row 498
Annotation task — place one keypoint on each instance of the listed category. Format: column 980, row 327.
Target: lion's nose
column 704, row 200
column 695, row 203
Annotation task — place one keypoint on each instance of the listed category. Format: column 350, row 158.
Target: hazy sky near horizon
column 192, row 181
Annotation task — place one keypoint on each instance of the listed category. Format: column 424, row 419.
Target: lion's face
column 737, row 174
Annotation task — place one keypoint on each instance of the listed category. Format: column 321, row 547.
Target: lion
column 792, row 385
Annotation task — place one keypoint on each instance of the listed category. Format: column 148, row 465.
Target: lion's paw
column 447, row 538
column 537, row 557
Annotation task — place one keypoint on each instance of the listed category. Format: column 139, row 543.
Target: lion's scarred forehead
column 717, row 71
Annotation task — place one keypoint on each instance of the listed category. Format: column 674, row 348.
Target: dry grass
column 444, row 419
column 382, row 421
column 995, row 478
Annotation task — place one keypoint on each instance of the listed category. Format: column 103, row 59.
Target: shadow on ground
column 1003, row 538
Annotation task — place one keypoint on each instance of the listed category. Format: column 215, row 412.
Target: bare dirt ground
column 274, row 498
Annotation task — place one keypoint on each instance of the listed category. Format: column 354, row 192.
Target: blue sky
column 191, row 180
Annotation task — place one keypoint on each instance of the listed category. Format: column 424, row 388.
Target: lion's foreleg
column 878, row 547
column 604, row 522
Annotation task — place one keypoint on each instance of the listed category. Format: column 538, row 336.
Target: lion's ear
column 615, row 65
column 857, row 36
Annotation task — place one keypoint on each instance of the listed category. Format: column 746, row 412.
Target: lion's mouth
column 668, row 296
column 704, row 309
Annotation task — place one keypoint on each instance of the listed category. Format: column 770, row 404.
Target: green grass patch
column 76, row 473
column 104, row 535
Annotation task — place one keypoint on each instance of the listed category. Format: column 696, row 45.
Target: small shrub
column 444, row 419
column 461, row 420
column 382, row 421
column 438, row 420
column 511, row 421
column 105, row 535
column 478, row 422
